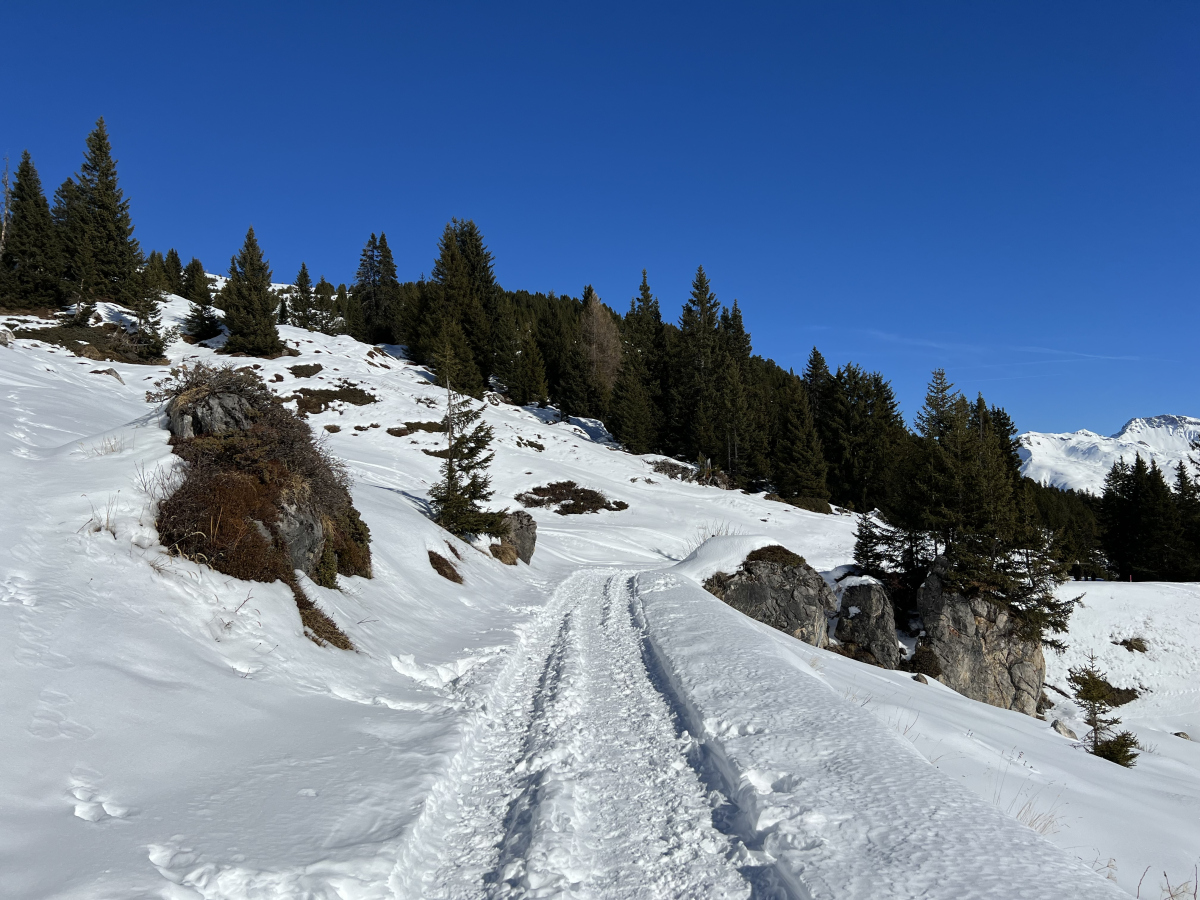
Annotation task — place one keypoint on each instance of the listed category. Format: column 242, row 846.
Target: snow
column 591, row 725
column 1081, row 459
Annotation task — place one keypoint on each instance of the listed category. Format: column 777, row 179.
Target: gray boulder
column 866, row 625
column 299, row 526
column 522, row 534
column 1062, row 729
column 7, row 338
column 210, row 414
column 790, row 597
column 974, row 648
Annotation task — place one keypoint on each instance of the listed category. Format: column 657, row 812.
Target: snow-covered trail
column 575, row 783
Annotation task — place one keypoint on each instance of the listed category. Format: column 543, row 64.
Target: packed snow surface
column 591, row 725
column 1081, row 459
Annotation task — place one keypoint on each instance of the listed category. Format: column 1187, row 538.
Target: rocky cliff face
column 972, row 646
column 866, row 626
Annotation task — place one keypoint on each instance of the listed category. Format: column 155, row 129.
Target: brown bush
column 1133, row 644
column 570, row 498
column 305, row 371
column 434, row 427
column 399, row 431
column 444, row 567
column 108, row 341
column 812, row 504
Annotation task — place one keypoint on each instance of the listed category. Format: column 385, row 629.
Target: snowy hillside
column 591, row 725
column 1081, row 459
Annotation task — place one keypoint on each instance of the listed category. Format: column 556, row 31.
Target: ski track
column 575, row 782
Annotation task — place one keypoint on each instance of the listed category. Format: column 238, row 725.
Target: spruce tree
column 697, row 363
column 115, row 253
column 364, row 293
column 631, row 417
column 150, row 340
column 325, row 308
column 528, row 383
column 799, row 469
column 154, row 275
column 81, row 285
column 465, row 484
column 250, row 303
column 202, row 321
column 351, row 312
column 382, row 319
column 455, row 363
column 29, row 265
column 479, row 308
column 173, row 267
column 302, row 299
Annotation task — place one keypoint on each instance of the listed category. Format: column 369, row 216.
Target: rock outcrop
column 522, row 534
column 781, row 590
column 973, row 646
column 215, row 413
column 866, row 626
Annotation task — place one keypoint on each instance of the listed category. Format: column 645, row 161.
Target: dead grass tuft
column 506, row 553
column 307, row 370
column 310, row 401
column 444, row 567
column 432, row 427
column 775, row 554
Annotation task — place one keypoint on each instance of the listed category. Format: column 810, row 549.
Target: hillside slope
column 593, row 724
column 1080, row 460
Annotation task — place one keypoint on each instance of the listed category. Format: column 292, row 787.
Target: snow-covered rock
column 1081, row 459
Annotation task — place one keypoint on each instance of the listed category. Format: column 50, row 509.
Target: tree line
column 691, row 388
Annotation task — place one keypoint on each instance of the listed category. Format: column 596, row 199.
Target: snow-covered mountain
column 591, row 725
column 1081, row 459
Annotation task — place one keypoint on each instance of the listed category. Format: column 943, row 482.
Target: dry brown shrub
column 570, row 498
column 433, row 427
column 444, row 567
column 776, row 554
column 506, row 553
column 310, row 401
column 305, row 371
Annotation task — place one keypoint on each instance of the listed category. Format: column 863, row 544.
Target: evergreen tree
column 1140, row 518
column 381, row 320
column 1094, row 694
column 697, row 364
column 631, row 417
column 29, row 265
column 285, row 312
column 250, row 303
column 799, row 464
column 1187, row 499
column 601, row 344
column 364, row 293
column 150, row 340
column 173, row 267
column 115, row 253
column 302, row 299
column 73, row 224
column 324, row 314
column 202, row 321
column 465, row 484
column 528, row 383
column 481, row 308
column 455, row 363
column 154, row 276
column 351, row 313
column 816, row 385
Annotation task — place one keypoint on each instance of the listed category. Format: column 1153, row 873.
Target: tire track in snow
column 575, row 783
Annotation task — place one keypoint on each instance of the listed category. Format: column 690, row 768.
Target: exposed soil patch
column 310, row 401
column 569, row 498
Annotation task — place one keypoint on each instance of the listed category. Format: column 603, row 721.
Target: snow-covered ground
column 1081, row 459
column 591, row 725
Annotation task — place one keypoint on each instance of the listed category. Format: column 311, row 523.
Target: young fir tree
column 173, row 268
column 1094, row 694
column 150, row 339
column 465, row 484
column 115, row 253
column 29, row 265
column 202, row 321
column 81, row 285
column 285, row 310
column 527, row 385
column 250, row 303
column 302, row 299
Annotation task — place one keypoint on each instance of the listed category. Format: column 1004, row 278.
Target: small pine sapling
column 1094, row 694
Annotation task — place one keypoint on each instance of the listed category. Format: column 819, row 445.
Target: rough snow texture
column 172, row 733
column 1081, row 459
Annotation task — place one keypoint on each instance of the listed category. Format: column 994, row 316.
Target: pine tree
column 644, row 347
column 480, row 308
column 202, row 322
column 631, row 417
column 508, row 345
column 455, row 361
column 696, row 392
column 364, row 293
column 250, row 303
column 29, row 265
column 382, row 320
column 528, row 383
column 150, row 339
column 465, row 484
column 302, row 299
column 173, row 267
column 1094, row 694
column 285, row 312
column 115, row 253
column 351, row 312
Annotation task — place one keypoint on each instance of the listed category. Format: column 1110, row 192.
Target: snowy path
column 576, row 783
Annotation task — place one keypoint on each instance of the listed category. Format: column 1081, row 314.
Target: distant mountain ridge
column 1081, row 459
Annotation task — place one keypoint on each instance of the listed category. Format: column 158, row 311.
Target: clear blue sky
column 1008, row 190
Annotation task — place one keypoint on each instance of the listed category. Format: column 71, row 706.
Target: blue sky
column 1007, row 190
